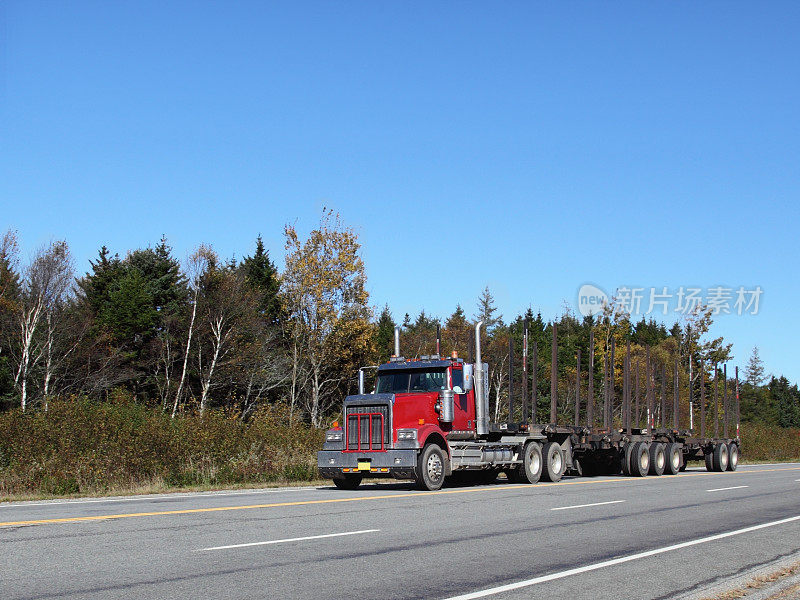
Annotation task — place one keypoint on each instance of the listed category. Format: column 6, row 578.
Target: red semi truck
column 428, row 419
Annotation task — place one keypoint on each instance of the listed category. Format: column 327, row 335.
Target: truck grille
column 368, row 427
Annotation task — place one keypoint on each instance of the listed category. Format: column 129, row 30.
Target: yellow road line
column 187, row 511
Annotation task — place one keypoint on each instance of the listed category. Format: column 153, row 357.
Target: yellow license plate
column 363, row 465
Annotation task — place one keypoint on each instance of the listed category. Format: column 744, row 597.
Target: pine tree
column 96, row 286
column 384, row 335
column 162, row 272
column 486, row 311
column 9, row 299
column 457, row 333
column 457, row 319
column 754, row 371
column 785, row 401
column 261, row 274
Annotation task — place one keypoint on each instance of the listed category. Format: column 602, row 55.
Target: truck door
column 464, row 415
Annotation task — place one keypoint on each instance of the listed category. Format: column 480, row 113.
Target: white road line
column 735, row 487
column 756, row 465
column 188, row 495
column 617, row 561
column 585, row 505
column 297, row 539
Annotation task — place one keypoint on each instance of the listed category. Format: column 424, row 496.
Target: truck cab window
column 402, row 382
column 392, row 382
column 428, row 381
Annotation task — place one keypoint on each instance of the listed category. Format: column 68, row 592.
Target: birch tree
column 227, row 309
column 324, row 295
column 198, row 264
column 46, row 282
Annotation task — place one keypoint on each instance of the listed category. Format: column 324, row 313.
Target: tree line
column 239, row 334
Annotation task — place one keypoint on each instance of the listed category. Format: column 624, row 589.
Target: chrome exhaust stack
column 481, row 400
column 397, row 341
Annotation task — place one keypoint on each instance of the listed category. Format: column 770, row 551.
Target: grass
column 761, row 582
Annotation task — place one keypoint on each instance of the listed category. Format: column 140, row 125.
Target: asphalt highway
column 594, row 538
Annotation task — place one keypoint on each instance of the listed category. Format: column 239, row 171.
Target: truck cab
column 416, row 405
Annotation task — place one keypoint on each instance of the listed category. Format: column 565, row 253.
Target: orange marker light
column 422, row 421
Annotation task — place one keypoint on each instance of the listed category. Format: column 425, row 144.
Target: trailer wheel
column 552, row 462
column 348, row 482
column 658, row 459
column 430, row 468
column 721, row 457
column 640, row 459
column 733, row 456
column 709, row 461
column 626, row 458
column 673, row 456
column 531, row 469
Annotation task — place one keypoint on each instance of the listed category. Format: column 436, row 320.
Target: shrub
column 769, row 442
column 81, row 446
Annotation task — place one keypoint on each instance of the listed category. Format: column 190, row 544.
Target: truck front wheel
column 430, row 468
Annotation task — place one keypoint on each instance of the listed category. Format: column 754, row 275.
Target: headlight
column 333, row 436
column 406, row 434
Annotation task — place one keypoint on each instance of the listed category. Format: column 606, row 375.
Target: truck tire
column 658, row 459
column 347, row 482
column 721, row 457
column 709, row 461
column 674, row 459
column 626, row 459
column 552, row 462
column 733, row 456
column 640, row 459
column 531, row 469
column 430, row 468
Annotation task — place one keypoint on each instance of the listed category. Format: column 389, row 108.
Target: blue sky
column 530, row 147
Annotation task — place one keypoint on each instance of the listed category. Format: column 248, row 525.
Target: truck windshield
column 401, row 382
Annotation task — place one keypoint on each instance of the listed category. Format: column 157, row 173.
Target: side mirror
column 457, row 390
column 469, row 377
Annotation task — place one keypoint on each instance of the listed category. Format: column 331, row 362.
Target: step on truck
column 428, row 420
